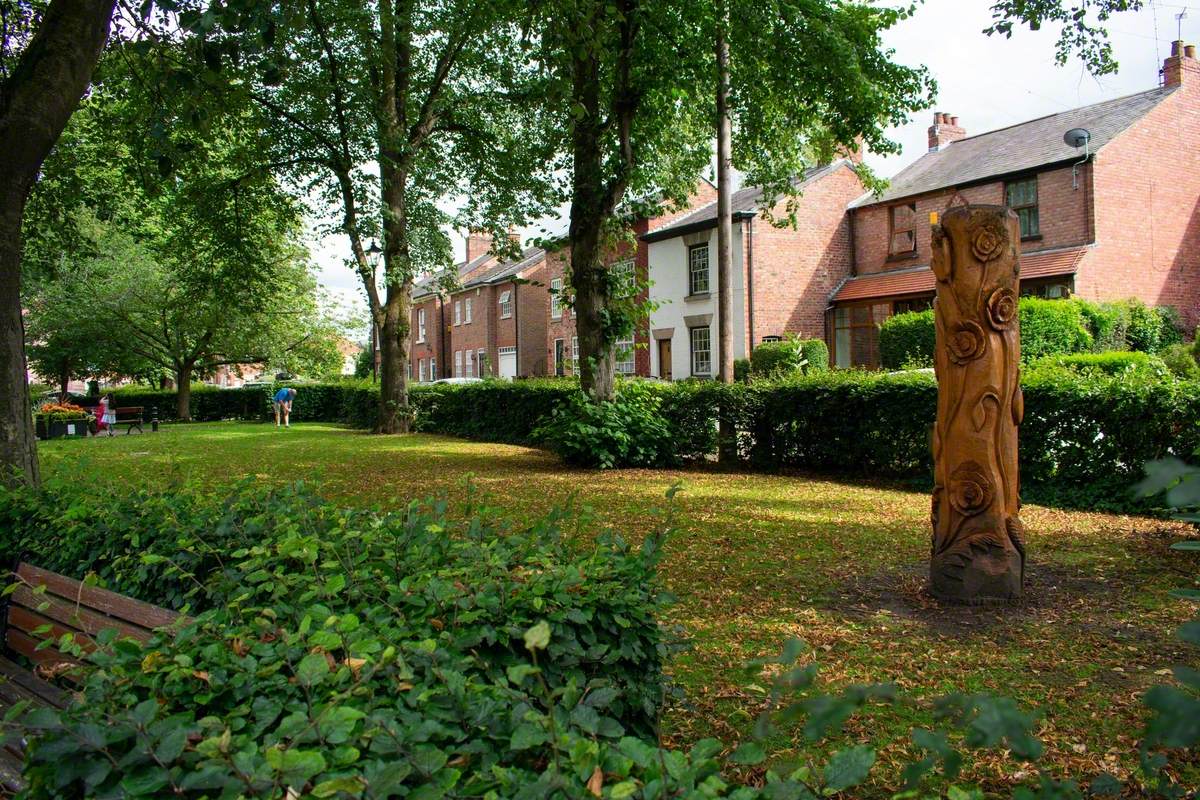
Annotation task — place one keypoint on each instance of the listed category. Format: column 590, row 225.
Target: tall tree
column 382, row 113
column 626, row 103
column 46, row 62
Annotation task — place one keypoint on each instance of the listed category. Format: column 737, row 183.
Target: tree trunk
column 394, row 341
column 18, row 450
column 36, row 101
column 596, row 365
column 183, row 392
column 64, row 380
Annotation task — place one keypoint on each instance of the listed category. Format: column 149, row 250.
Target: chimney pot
column 1189, row 50
column 954, row 121
column 1177, row 47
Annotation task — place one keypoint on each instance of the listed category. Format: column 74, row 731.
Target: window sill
column 902, row 256
column 1036, row 237
column 698, row 296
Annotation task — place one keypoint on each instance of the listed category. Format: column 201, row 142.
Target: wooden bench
column 130, row 416
column 66, row 605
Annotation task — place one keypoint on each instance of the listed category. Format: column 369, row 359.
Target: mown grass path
column 759, row 558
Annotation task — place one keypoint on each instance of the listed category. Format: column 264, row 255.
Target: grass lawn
column 759, row 558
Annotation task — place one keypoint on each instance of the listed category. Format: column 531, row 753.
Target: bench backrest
column 128, row 411
column 70, row 606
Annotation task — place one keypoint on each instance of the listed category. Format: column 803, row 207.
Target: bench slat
column 114, row 605
column 27, row 646
column 66, row 612
column 25, row 621
column 10, row 772
column 14, row 675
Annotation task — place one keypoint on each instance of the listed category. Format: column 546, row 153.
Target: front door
column 558, row 358
column 664, row 359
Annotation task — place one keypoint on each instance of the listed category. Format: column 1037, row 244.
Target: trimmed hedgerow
column 492, row 410
column 1112, row 363
column 1048, row 327
column 907, row 340
column 776, row 359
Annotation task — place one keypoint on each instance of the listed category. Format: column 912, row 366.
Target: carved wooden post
column 978, row 550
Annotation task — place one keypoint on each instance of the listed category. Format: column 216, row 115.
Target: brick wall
column 468, row 336
column 1064, row 215
column 795, row 270
column 432, row 346
column 1147, row 185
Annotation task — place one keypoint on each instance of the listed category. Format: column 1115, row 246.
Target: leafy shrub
column 775, row 359
column 741, row 370
column 816, row 355
column 1110, row 363
column 1181, row 360
column 1151, row 329
column 629, row 431
column 907, row 340
column 467, row 584
column 1052, row 327
column 1048, row 327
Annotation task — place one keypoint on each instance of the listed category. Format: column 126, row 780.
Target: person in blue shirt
column 283, row 405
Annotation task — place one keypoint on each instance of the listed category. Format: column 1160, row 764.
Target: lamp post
column 373, row 255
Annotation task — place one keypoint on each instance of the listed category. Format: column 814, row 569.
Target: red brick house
column 633, row 355
column 492, row 323
column 1118, row 217
column 782, row 278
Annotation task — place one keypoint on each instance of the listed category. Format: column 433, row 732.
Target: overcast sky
column 988, row 82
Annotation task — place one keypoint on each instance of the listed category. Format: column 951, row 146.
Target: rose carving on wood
column 978, row 550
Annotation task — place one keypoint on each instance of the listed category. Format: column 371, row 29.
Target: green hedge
column 1091, row 420
column 774, row 359
column 907, row 340
column 1048, row 327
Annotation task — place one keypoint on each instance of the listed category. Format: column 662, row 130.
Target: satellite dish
column 1077, row 137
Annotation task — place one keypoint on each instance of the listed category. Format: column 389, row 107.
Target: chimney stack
column 478, row 244
column 1181, row 66
column 944, row 130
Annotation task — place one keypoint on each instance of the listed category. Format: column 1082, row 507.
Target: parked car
column 459, row 380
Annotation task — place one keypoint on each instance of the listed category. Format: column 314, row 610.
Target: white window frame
column 458, row 364
column 696, row 270
column 421, row 370
column 506, row 304
column 470, row 364
column 467, row 311
column 458, row 312
column 574, row 355
column 556, row 309
column 480, row 360
column 554, row 356
column 696, row 355
column 624, row 360
column 420, row 325
column 432, row 369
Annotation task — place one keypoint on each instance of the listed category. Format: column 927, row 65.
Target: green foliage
column 364, row 364
column 907, row 340
column 1113, row 362
column 741, row 370
column 1051, row 327
column 1048, row 327
column 455, row 594
column 777, row 359
column 1175, row 710
column 628, row 431
column 791, row 355
column 816, row 355
column 1181, row 360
